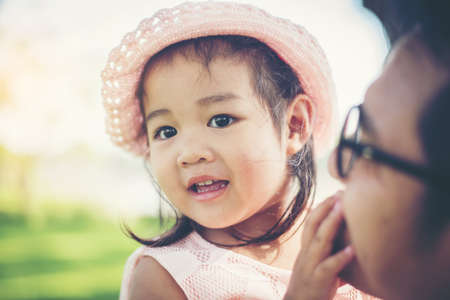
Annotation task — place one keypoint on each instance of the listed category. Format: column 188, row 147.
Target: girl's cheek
column 160, row 166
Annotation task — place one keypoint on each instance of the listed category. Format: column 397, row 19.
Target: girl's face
column 213, row 148
column 383, row 206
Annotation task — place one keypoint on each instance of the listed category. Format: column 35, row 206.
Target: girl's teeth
column 214, row 186
column 207, row 182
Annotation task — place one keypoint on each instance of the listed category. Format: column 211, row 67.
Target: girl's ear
column 300, row 120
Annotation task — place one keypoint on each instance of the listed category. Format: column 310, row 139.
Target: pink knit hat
column 124, row 120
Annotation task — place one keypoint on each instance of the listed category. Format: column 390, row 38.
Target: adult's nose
column 332, row 165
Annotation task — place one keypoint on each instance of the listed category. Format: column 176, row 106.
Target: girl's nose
column 191, row 155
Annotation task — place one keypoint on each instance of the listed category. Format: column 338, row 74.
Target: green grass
column 64, row 256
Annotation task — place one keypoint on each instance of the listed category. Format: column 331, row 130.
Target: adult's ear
column 300, row 120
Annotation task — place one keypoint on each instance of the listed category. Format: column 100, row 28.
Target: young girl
column 224, row 102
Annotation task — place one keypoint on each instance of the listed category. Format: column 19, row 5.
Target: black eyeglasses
column 350, row 149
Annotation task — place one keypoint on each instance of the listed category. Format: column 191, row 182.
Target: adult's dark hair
column 276, row 85
column 400, row 17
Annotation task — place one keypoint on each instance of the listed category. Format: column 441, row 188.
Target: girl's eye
column 164, row 133
column 221, row 121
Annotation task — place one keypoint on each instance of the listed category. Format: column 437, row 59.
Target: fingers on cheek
column 329, row 226
column 316, row 218
column 318, row 214
column 336, row 263
column 322, row 242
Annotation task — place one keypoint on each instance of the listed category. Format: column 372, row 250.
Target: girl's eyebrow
column 217, row 98
column 202, row 102
column 156, row 113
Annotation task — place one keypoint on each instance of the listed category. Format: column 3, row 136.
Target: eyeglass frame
column 378, row 155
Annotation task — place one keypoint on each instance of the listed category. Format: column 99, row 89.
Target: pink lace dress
column 205, row 271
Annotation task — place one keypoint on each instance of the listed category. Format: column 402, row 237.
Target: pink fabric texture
column 123, row 71
column 207, row 272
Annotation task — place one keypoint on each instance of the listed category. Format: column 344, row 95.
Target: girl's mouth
column 208, row 186
column 208, row 190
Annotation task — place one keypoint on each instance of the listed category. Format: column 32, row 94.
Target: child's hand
column 315, row 273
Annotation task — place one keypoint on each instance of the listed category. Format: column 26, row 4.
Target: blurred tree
column 15, row 177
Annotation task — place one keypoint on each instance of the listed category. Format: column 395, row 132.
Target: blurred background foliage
column 56, row 249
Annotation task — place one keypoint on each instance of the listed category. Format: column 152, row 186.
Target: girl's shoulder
column 159, row 263
column 149, row 280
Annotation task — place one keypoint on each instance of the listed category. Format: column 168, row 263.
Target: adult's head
column 394, row 160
